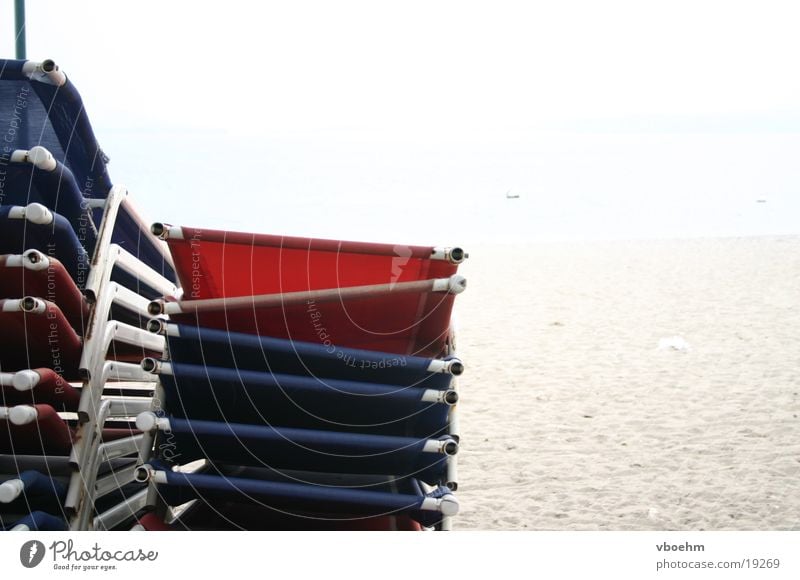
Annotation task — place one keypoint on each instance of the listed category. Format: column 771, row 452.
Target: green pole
column 19, row 27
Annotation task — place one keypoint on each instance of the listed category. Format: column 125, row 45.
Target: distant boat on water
column 510, row 195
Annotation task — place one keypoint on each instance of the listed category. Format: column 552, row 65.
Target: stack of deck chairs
column 78, row 269
column 176, row 378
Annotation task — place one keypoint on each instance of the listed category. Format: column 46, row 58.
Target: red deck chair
column 36, row 333
column 34, row 429
column 34, row 274
column 42, row 386
column 215, row 264
column 406, row 318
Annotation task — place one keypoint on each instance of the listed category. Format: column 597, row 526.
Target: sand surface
column 573, row 418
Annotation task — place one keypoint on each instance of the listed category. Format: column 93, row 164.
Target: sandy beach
column 573, row 418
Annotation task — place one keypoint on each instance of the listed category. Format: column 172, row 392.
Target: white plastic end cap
column 449, row 505
column 35, row 260
column 22, row 414
column 11, row 490
column 146, row 421
column 41, row 158
column 25, row 380
column 38, row 214
column 457, row 284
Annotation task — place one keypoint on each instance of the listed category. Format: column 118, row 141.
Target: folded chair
column 36, row 227
column 222, row 394
column 411, row 318
column 34, row 274
column 42, row 107
column 190, row 344
column 42, row 385
column 217, row 264
column 344, row 498
column 304, row 449
column 79, row 270
column 35, row 176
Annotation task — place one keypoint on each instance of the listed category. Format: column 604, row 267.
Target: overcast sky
column 305, row 86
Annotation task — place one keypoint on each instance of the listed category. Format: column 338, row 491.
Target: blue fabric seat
column 222, row 394
column 387, row 498
column 219, row 348
column 53, row 116
column 57, row 239
column 305, row 449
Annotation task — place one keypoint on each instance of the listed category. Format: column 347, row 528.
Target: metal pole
column 19, row 28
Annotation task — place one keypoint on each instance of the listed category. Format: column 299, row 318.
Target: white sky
column 419, row 76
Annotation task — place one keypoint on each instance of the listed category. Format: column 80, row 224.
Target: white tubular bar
column 447, row 504
column 120, row 447
column 166, row 231
column 7, row 379
column 129, row 406
column 443, row 446
column 454, row 284
column 20, row 528
column 122, row 371
column 95, row 203
column 80, row 493
column 453, row 255
column 455, row 428
column 110, row 371
column 35, row 213
column 113, row 517
column 94, row 350
column 104, row 255
column 446, row 397
column 44, row 72
column 83, row 453
column 104, row 452
column 452, row 474
column 131, row 335
column 113, row 481
column 156, row 367
column 126, row 298
column 149, row 421
column 150, row 277
column 449, row 367
column 11, row 490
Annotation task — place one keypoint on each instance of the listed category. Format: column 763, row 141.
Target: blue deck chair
column 176, row 488
column 132, row 234
column 219, row 348
column 36, row 177
column 32, row 490
column 40, row 106
column 39, row 521
column 304, row 449
column 222, row 394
